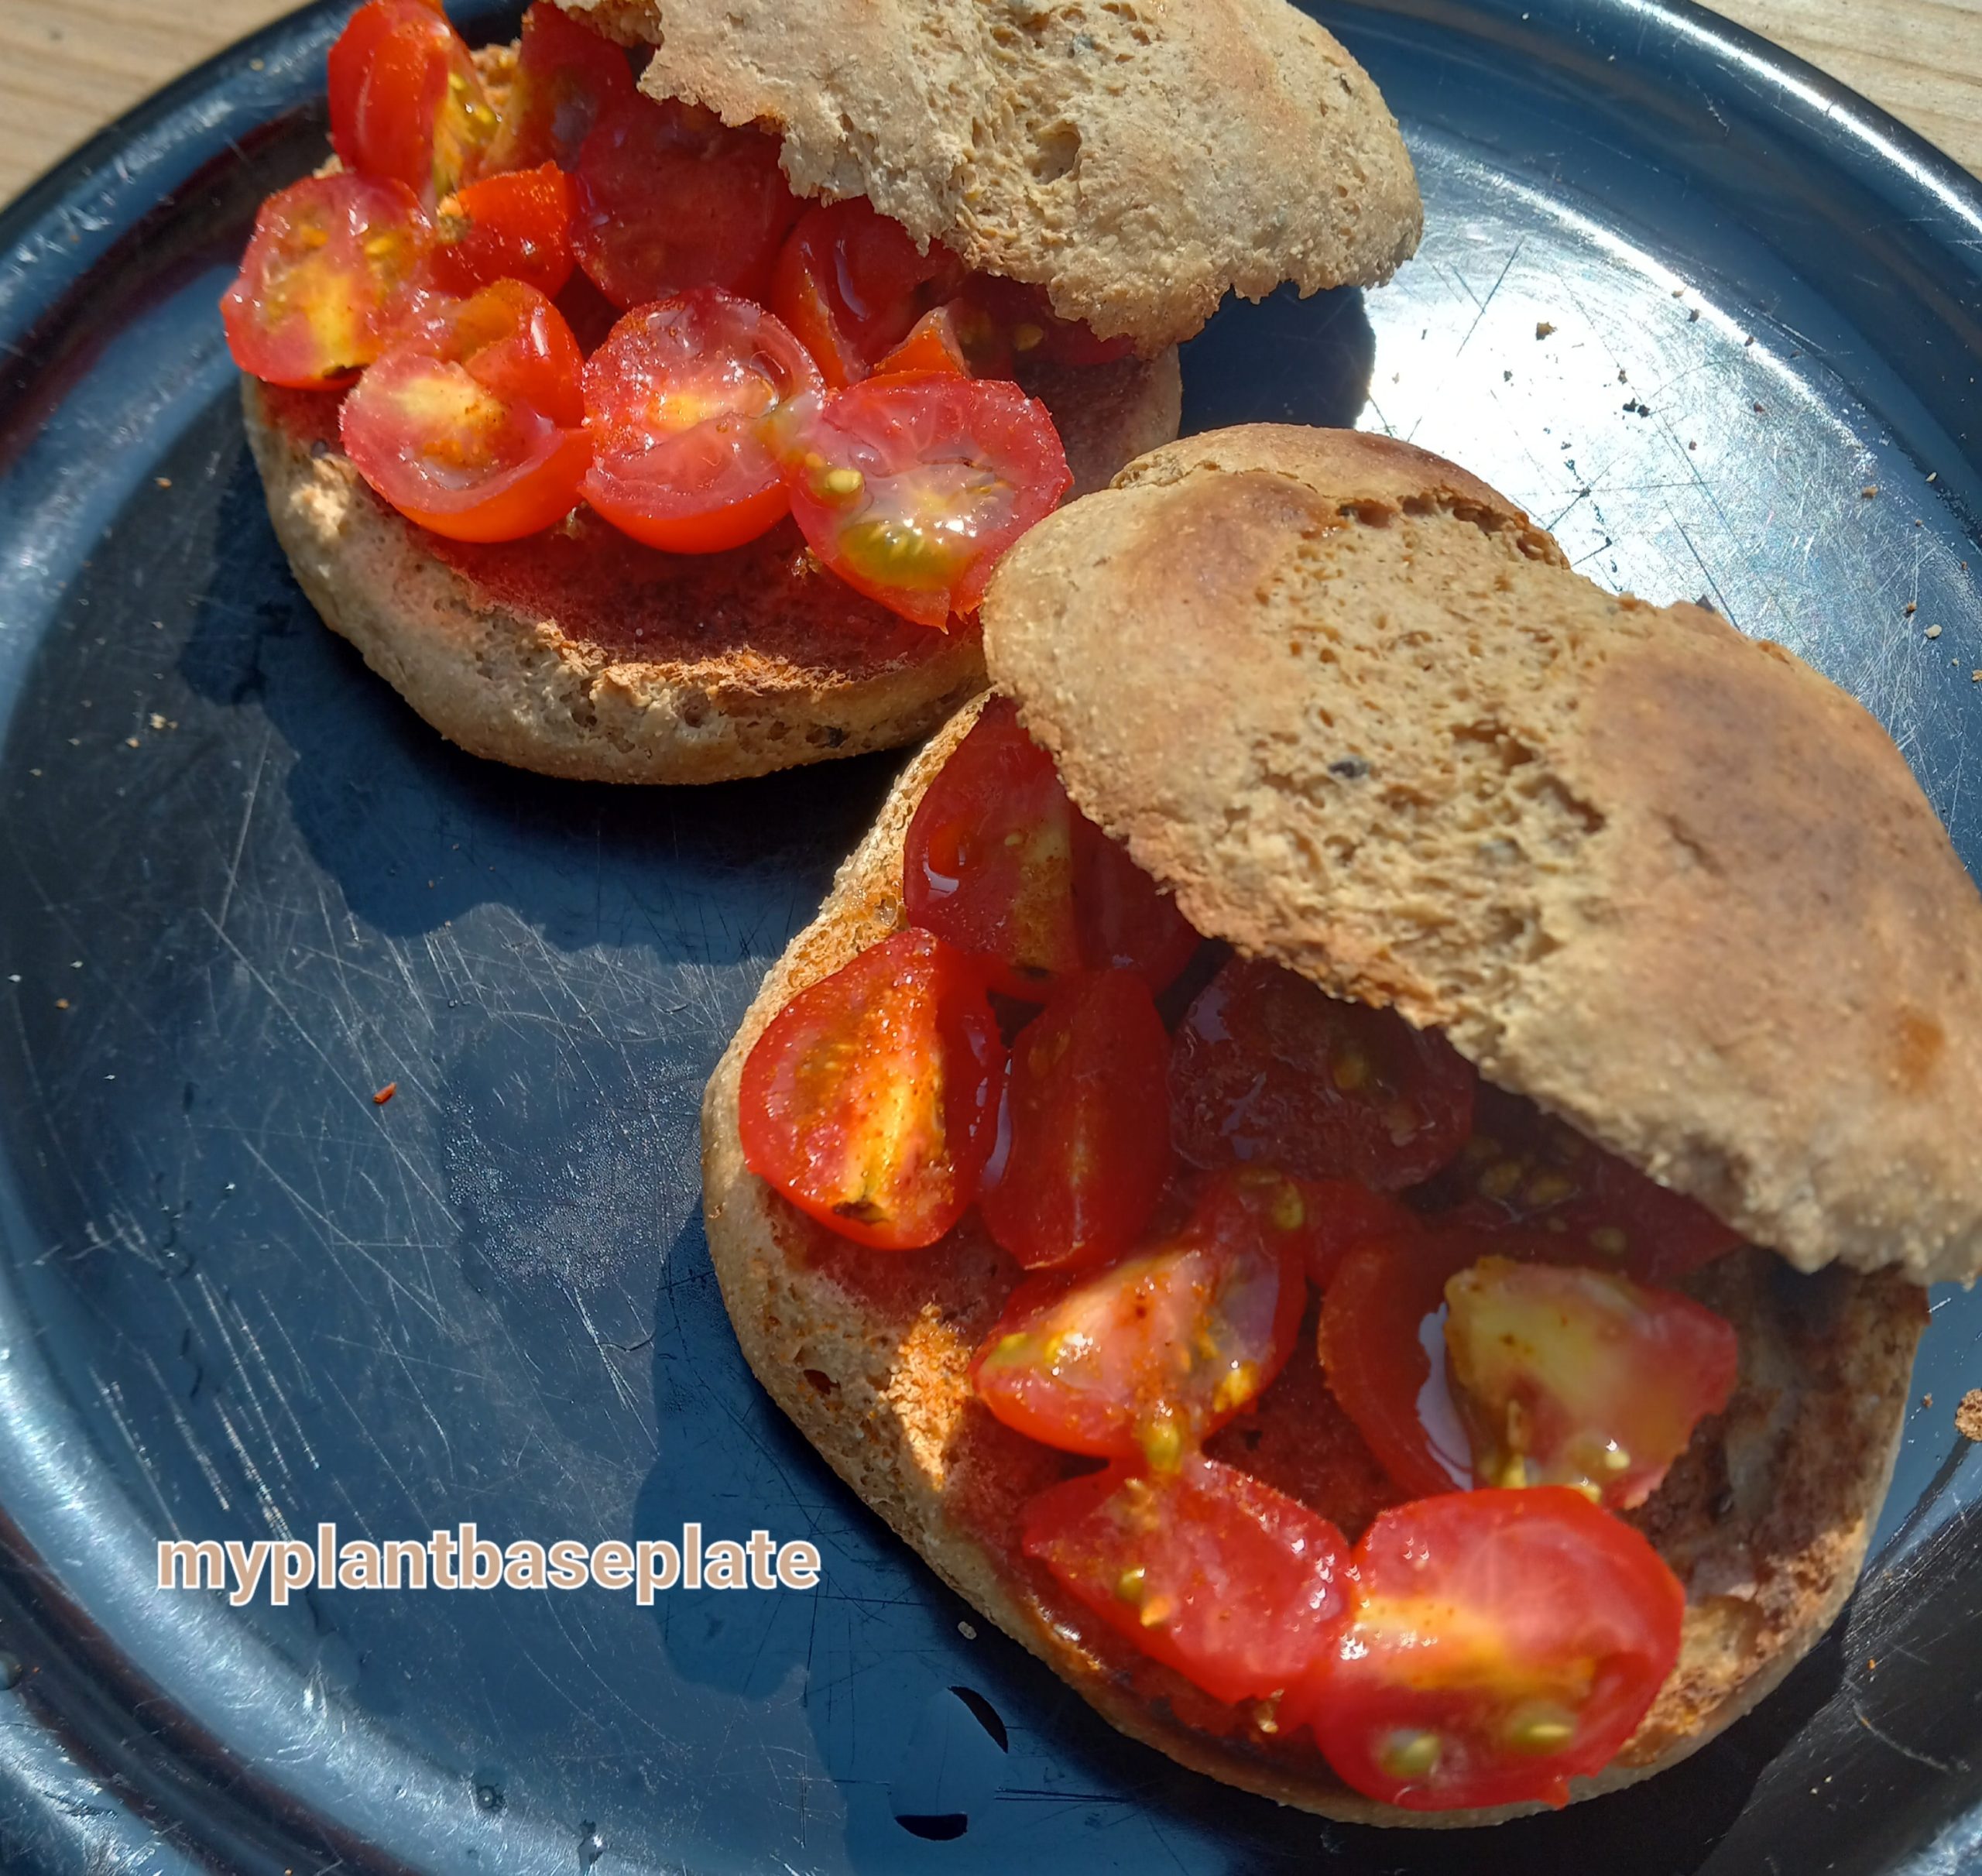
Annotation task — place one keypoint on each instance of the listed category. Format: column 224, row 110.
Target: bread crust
column 1765, row 1518
column 1139, row 158
column 1665, row 880
column 603, row 661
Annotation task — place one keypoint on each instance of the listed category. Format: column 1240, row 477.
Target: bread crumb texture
column 1665, row 880
column 1139, row 158
column 1968, row 1415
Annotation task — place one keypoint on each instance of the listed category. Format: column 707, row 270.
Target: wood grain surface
column 68, row 66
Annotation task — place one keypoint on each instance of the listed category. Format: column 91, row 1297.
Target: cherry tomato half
column 1144, row 1357
column 406, row 100
column 1498, row 1645
column 1086, row 1142
column 1238, row 1587
column 471, row 423
column 679, row 398
column 1573, row 1377
column 329, row 273
column 516, row 226
column 931, row 346
column 1268, row 1068
column 1000, row 862
column 566, row 78
column 910, row 488
column 669, row 197
column 1323, row 1220
column 871, row 1099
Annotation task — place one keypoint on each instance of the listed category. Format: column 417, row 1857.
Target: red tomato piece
column 931, row 346
column 406, row 101
column 1001, row 322
column 1498, row 1645
column 471, row 423
column 851, row 284
column 1324, row 1219
column 1268, row 1068
column 1523, row 1167
column 871, row 1099
column 1238, row 1587
column 566, row 78
column 1572, row 1376
column 680, row 398
column 516, row 226
column 910, row 488
column 669, row 197
column 1000, row 862
column 329, row 273
column 1144, row 1357
column 1086, row 1145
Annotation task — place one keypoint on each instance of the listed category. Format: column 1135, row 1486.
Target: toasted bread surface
column 1667, row 881
column 1765, row 1519
column 1139, row 158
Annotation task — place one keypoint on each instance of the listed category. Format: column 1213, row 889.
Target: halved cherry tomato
column 406, row 100
column 1498, row 1645
column 1575, row 1376
column 669, row 197
column 1266, row 1067
column 1001, row 322
column 851, row 283
column 1523, row 1167
column 1144, row 1357
column 910, row 488
column 931, row 346
column 329, row 274
column 516, row 226
column 871, row 1099
column 471, row 423
column 1238, row 1587
column 1000, row 862
column 1086, row 1137
column 566, row 78
column 1324, row 1219
column 679, row 398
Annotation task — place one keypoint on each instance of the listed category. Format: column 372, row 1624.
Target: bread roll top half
column 1355, row 711
column 1139, row 158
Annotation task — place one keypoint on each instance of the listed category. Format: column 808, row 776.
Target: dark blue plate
column 1683, row 298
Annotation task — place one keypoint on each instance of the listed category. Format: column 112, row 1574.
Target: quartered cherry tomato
column 1002, row 323
column 471, row 423
column 931, row 346
column 516, row 226
column 1523, row 1167
column 1268, row 1068
column 669, row 197
column 1323, row 1220
column 1000, row 862
column 1498, row 1645
column 1236, row 1587
column 910, row 488
column 1144, row 1356
column 406, row 100
column 566, row 78
column 330, row 272
column 1575, row 1376
column 1086, row 1142
column 871, row 1099
column 851, row 283
column 679, row 398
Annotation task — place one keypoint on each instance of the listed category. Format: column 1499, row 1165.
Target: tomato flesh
column 1498, row 1644
column 1144, row 1357
column 1575, row 1376
column 406, row 102
column 669, row 197
column 1238, row 1587
column 870, row 1099
column 516, row 226
column 1000, row 323
column 680, row 398
column 1323, row 1220
column 566, row 78
column 910, row 488
column 931, row 346
column 471, row 423
column 1266, row 1067
column 1086, row 1148
column 330, row 272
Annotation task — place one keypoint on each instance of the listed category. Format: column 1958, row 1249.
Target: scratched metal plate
column 241, row 888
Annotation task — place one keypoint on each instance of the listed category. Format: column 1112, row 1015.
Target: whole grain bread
column 1765, row 1518
column 1355, row 710
column 1139, row 158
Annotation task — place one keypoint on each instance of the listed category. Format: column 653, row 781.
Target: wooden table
column 68, row 66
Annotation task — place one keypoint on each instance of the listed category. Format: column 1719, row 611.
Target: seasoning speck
column 1543, row 328
column 384, row 1094
column 61, row 1003
column 1968, row 1416
column 1869, row 490
column 163, row 482
column 1933, row 632
column 1912, row 606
